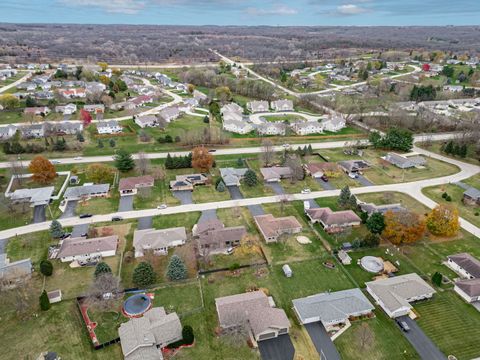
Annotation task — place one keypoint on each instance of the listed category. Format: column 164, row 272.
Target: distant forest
column 142, row 44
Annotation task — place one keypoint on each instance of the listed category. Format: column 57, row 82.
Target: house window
column 282, row 331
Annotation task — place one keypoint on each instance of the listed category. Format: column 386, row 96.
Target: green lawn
column 284, row 117
column 452, row 324
column 108, row 322
column 99, row 205
column 436, row 146
column 391, row 197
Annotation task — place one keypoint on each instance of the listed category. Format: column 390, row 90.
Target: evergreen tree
column 463, row 151
column 44, row 302
column 124, row 161
column 449, row 147
column 310, row 149
column 169, row 162
column 187, row 335
column 344, row 197
column 144, row 275
column 100, row 144
column 112, row 143
column 176, row 269
column 56, row 229
column 456, row 149
column 80, row 137
column 221, row 186
column 437, row 278
column 102, row 268
column 46, row 267
column 240, row 162
column 250, row 178
column 375, row 223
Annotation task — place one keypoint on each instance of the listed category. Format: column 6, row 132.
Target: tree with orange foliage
column 43, row 171
column 403, row 227
column 202, row 160
column 443, row 220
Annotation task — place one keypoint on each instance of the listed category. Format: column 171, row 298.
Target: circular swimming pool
column 371, row 264
column 136, row 305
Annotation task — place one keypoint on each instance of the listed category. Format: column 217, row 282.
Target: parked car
column 211, row 150
column 55, row 161
column 84, row 235
column 83, row 216
column 306, row 191
column 229, row 251
column 403, row 325
column 117, row 218
column 352, row 175
column 77, row 158
column 162, row 206
column 286, row 145
column 324, row 178
column 65, row 235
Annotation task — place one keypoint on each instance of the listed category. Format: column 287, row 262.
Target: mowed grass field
column 452, row 324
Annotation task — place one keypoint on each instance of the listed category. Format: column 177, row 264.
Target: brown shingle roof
column 467, row 262
column 135, row 182
column 329, row 217
column 82, row 246
column 271, row 226
column 469, row 287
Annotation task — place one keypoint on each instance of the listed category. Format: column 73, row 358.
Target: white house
column 7, row 132
column 395, row 294
column 146, row 121
column 237, row 126
column 83, row 249
column 282, row 105
column 109, row 127
column 469, row 290
column 307, row 127
column 464, row 265
column 68, row 109
column 333, row 123
column 258, row 106
column 158, row 241
column 271, row 128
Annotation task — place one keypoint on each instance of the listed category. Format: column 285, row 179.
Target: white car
column 352, row 175
column 286, row 145
column 55, row 161
column 77, row 158
column 306, row 191
column 162, row 206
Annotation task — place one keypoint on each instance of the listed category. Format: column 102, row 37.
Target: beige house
column 272, row 228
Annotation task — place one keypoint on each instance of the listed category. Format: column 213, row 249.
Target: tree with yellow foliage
column 103, row 65
column 100, row 173
column 202, row 160
column 403, row 227
column 43, row 171
column 9, row 101
column 443, row 220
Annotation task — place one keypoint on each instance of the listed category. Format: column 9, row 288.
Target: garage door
column 266, row 336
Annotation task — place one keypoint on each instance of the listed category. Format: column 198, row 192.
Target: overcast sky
column 238, row 12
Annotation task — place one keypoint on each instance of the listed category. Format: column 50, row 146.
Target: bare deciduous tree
column 143, row 163
column 104, row 291
column 364, row 336
column 267, row 155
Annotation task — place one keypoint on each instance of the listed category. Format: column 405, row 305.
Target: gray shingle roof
column 472, row 193
column 332, row 307
column 467, row 262
column 86, row 190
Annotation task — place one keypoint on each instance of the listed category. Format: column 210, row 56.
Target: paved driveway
column 313, row 204
column 3, row 245
column 235, row 192
column 126, row 203
column 421, row 342
column 276, row 187
column 326, row 185
column 39, row 214
column 69, row 209
column 185, row 196
column 279, row 348
column 145, row 223
column 322, row 341
column 79, row 230
column 256, row 210
column 364, row 181
column 208, row 215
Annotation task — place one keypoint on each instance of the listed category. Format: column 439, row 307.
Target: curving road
column 413, row 189
column 19, row 81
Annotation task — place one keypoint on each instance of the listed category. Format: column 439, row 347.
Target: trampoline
column 371, row 264
column 136, row 305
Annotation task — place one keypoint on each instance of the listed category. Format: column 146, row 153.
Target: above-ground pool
column 136, row 305
column 371, row 264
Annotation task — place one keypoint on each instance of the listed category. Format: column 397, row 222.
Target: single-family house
column 95, row 87
column 282, row 105
column 469, row 290
column 332, row 308
column 254, row 311
column 33, row 131
column 272, row 228
column 371, row 208
column 144, row 337
column 83, row 249
column 395, row 294
column 169, row 113
column 141, row 100
column 12, row 273
column 307, row 127
column 232, row 176
column 37, row 110
column 109, row 127
column 453, row 88
column 464, row 264
column 36, row 196
column 271, row 128
column 145, row 120
column 68, row 109
column 276, row 173
column 95, row 108
column 333, row 221
column 130, row 185
column 214, row 238
column 237, row 126
column 187, row 182
column 258, row 106
column 158, row 241
column 471, row 197
column 200, row 96
column 64, row 127
column 86, row 192
column 333, row 123
column 7, row 132
column 73, row 93
column 317, row 170
column 405, row 162
column 124, row 105
column 231, row 107
column 353, row 166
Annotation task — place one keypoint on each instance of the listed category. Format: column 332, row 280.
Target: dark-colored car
column 211, row 150
column 65, row 235
column 83, row 216
column 324, row 178
column 403, row 325
column 117, row 218
column 84, row 235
